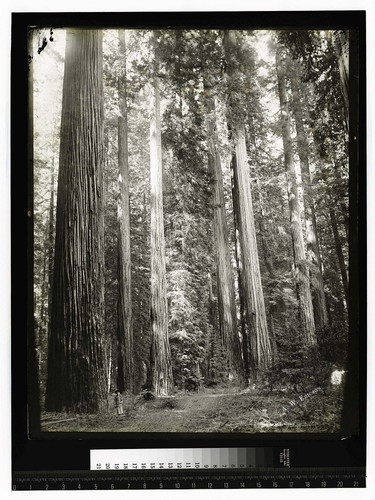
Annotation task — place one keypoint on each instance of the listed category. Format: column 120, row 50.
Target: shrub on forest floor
column 147, row 395
column 167, row 404
column 211, row 383
column 298, row 369
column 154, row 403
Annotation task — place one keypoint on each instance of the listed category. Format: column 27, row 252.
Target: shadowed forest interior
column 191, row 223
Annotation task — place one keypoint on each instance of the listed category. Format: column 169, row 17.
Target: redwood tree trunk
column 312, row 247
column 340, row 255
column 161, row 367
column 48, row 264
column 45, row 308
column 212, row 315
column 267, row 256
column 301, row 268
column 125, row 318
column 76, row 373
column 260, row 347
column 237, row 247
column 268, row 260
column 225, row 284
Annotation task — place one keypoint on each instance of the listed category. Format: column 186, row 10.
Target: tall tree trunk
column 111, row 280
column 312, row 240
column 301, row 269
column 48, row 260
column 51, row 234
column 268, row 260
column 340, row 40
column 125, row 317
column 161, row 367
column 338, row 193
column 270, row 268
column 237, row 247
column 260, row 347
column 76, row 373
column 43, row 316
column 212, row 316
column 225, row 284
column 141, row 294
column 46, row 292
column 339, row 253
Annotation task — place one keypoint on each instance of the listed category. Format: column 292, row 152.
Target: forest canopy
column 191, row 211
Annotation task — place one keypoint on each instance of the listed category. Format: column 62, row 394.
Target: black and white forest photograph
column 190, row 229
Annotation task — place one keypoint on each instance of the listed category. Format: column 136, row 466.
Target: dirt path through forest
column 208, row 411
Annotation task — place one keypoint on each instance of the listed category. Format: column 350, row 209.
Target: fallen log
column 58, row 421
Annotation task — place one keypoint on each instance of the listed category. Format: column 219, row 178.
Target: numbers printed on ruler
column 133, row 480
column 217, row 468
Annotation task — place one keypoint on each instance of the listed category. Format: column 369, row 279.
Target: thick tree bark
column 340, row 255
column 125, row 317
column 225, row 284
column 260, row 347
column 161, row 367
column 312, row 240
column 237, row 248
column 141, row 295
column 268, row 260
column 301, row 268
column 76, row 372
column 212, row 316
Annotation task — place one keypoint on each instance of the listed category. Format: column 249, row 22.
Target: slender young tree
column 312, row 239
column 260, row 347
column 45, row 309
column 161, row 367
column 300, row 265
column 339, row 253
column 268, row 260
column 46, row 288
column 76, row 372
column 125, row 317
column 51, row 234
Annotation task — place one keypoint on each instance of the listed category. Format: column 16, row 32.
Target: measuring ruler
column 192, row 468
column 190, row 479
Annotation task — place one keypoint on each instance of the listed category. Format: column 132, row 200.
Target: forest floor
column 218, row 410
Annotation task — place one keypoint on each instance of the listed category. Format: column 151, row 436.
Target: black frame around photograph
column 37, row 451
